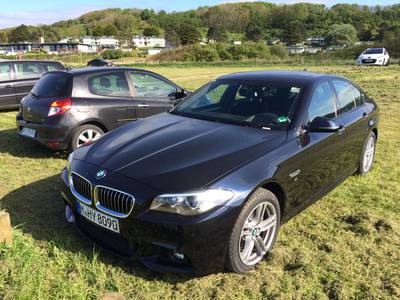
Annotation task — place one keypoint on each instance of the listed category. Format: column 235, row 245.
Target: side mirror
column 320, row 124
column 180, row 93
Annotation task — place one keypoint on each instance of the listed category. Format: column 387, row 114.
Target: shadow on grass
column 38, row 210
column 15, row 145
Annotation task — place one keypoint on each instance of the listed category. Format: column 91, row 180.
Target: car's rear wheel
column 254, row 232
column 368, row 154
column 85, row 134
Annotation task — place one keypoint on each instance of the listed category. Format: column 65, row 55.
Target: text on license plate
column 99, row 218
column 29, row 132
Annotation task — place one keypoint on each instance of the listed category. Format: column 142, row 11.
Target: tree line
column 255, row 21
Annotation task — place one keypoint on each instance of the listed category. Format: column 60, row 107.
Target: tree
column 294, row 33
column 253, row 32
column 152, row 31
column 110, row 30
column 341, row 35
column 217, row 33
column 3, row 37
column 147, row 14
column 172, row 38
column 188, row 33
column 20, row 34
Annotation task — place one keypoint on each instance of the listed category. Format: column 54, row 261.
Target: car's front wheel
column 254, row 232
column 85, row 134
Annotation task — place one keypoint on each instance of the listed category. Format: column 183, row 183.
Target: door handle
column 9, row 86
column 143, row 105
column 341, row 129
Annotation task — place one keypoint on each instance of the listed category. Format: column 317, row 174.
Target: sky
column 30, row 12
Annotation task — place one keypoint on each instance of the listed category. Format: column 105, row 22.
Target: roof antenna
column 304, row 70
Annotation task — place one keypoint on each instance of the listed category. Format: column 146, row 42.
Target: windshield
column 268, row 105
column 373, row 51
column 52, row 85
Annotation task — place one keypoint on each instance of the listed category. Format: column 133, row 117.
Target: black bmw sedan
column 209, row 183
column 67, row 109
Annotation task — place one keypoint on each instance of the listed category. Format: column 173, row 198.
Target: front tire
column 254, row 232
column 368, row 154
column 85, row 134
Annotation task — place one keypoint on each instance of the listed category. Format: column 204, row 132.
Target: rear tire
column 85, row 134
column 254, row 232
column 367, row 155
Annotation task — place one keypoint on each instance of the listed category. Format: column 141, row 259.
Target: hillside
column 245, row 21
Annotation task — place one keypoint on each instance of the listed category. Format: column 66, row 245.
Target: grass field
column 345, row 246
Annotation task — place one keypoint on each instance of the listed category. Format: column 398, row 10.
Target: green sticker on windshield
column 282, row 119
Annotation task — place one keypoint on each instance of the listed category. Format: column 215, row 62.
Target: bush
column 279, row 51
column 113, row 54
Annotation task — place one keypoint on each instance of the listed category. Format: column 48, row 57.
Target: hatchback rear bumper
column 53, row 136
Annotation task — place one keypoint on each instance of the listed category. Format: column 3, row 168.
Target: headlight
column 70, row 158
column 189, row 204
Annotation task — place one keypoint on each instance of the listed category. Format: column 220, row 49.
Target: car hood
column 174, row 153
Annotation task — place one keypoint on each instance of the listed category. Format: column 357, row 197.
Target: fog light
column 69, row 215
column 178, row 256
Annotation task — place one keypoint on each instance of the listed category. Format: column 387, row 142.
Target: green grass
column 345, row 246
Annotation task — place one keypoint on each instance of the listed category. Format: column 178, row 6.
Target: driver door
column 314, row 167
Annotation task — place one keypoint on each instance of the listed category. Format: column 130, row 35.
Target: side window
column 358, row 96
column 114, row 85
column 5, row 72
column 147, row 85
column 51, row 67
column 27, row 70
column 344, row 91
column 322, row 103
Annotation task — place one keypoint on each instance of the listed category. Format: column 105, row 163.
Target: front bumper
column 156, row 236
column 54, row 135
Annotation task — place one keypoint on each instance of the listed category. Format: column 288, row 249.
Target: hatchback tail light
column 58, row 107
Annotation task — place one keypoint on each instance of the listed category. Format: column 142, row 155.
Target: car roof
column 93, row 70
column 28, row 60
column 301, row 77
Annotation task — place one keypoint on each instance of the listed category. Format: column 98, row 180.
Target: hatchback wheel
column 254, row 232
column 368, row 154
column 84, row 135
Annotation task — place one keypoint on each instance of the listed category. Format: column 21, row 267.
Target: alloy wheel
column 369, row 154
column 258, row 233
column 88, row 136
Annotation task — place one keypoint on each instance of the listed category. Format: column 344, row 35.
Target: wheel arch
column 375, row 131
column 277, row 189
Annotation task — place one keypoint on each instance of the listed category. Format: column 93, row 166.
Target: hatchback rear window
column 52, row 85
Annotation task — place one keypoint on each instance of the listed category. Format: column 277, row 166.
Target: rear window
column 52, row 85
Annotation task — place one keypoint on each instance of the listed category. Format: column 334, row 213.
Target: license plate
column 29, row 132
column 98, row 218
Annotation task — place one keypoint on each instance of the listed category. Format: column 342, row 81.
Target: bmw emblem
column 101, row 174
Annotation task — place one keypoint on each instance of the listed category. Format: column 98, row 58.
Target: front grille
column 82, row 187
column 113, row 201
column 368, row 61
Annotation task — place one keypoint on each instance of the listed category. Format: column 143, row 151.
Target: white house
column 149, row 41
column 55, row 48
column 102, row 42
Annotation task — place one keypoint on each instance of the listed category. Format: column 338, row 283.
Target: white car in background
column 374, row 56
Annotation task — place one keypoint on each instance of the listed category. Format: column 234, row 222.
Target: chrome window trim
column 109, row 211
column 75, row 193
